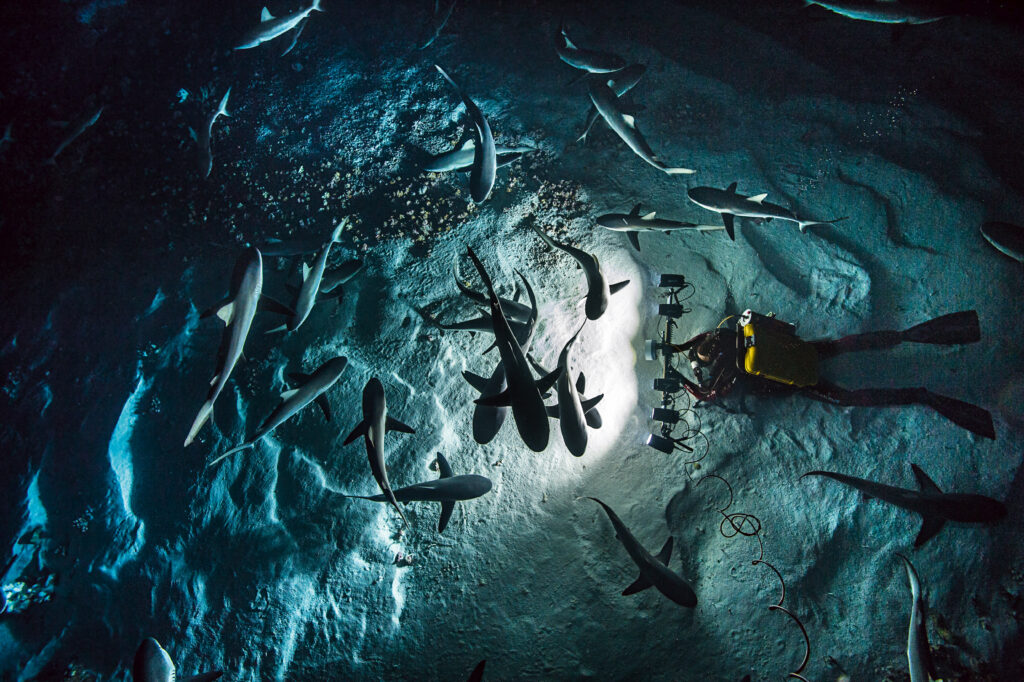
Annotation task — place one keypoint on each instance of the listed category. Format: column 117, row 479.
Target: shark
column 153, row 664
column 654, row 570
column 84, row 125
column 461, row 158
column 202, row 138
column 732, row 204
column 7, row 140
column 523, row 394
column 598, row 289
column 571, row 410
column 237, row 312
column 879, row 11
column 620, row 82
column 312, row 279
column 310, row 388
column 919, row 654
column 334, row 281
column 485, row 162
column 271, row 27
column 934, row 506
column 478, row 672
column 624, row 125
column 633, row 223
column 1006, row 238
column 447, row 489
column 376, row 422
column 592, row 61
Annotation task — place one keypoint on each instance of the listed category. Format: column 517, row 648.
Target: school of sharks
column 543, row 402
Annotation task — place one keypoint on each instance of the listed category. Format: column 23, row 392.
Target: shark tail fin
column 204, row 414
column 804, row 224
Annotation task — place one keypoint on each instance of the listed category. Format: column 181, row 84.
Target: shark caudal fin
column 804, row 224
column 204, row 414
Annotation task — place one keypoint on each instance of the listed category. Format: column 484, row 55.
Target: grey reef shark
column 153, row 664
column 654, row 570
column 447, row 489
column 76, row 131
column 919, row 653
column 624, row 125
column 478, row 672
column 620, row 82
column 573, row 413
column 880, row 11
column 202, row 138
column 311, row 388
column 487, row 419
column 485, row 161
column 271, row 27
column 598, row 289
column 523, row 393
column 461, row 158
column 312, row 280
column 237, row 312
column 334, row 281
column 1006, row 238
column 376, row 422
column 934, row 506
column 732, row 204
column 633, row 223
column 592, row 61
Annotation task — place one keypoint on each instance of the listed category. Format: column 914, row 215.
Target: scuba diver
column 769, row 349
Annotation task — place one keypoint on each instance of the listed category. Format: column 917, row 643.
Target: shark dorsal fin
column 635, row 211
column 650, row 215
column 305, row 271
column 289, row 393
column 630, row 121
column 926, row 484
column 731, row 189
column 443, row 467
column 929, row 529
column 470, row 143
column 266, row 15
column 227, row 312
column 758, row 198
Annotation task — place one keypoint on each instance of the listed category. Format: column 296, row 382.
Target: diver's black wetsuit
column 718, row 370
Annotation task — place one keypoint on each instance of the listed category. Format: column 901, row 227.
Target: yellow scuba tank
column 769, row 348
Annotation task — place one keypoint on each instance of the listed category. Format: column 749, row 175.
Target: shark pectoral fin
column 205, row 677
column 478, row 672
column 638, row 585
column 359, row 430
column 552, row 411
column 490, row 348
column 731, row 189
column 593, row 418
column 325, row 406
column 443, row 467
column 618, row 286
column 393, row 424
column 864, row 496
column 730, row 224
column 503, row 399
column 447, row 507
column 666, row 552
column 581, row 383
column 298, row 377
column 289, row 393
column 634, row 239
column 929, row 528
column 213, row 309
column 475, row 380
column 271, row 305
column 590, row 404
column 546, row 382
column 758, row 198
column 266, row 15
column 292, row 289
column 282, row 328
column 926, row 484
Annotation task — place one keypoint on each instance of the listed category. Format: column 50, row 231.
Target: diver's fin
column 393, row 424
column 975, row 419
column 475, row 380
column 929, row 528
column 359, row 430
column 618, row 286
column 666, row 552
column 953, row 328
column 926, row 484
column 730, row 224
column 593, row 418
column 638, row 585
column 325, row 406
